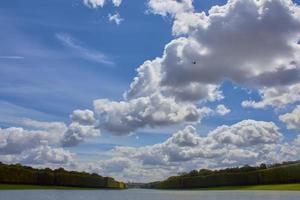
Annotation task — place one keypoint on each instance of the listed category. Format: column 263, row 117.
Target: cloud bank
column 246, row 142
column 251, row 43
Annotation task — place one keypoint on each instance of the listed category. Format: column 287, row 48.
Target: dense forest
column 288, row 172
column 18, row 174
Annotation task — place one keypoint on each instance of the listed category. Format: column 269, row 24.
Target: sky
column 142, row 90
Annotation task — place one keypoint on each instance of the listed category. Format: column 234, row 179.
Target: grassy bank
column 281, row 187
column 273, row 177
column 37, row 187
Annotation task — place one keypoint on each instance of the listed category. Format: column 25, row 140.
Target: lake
column 141, row 194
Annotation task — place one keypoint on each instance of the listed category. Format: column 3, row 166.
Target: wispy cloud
column 12, row 57
column 83, row 52
column 116, row 18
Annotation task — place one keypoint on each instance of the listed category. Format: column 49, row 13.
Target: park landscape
column 150, row 99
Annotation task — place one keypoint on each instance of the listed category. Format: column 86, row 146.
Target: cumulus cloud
column 42, row 142
column 246, row 142
column 247, row 133
column 170, row 7
column 116, row 18
column 155, row 110
column 252, row 43
column 230, row 43
column 84, row 125
column 77, row 133
column 181, row 11
column 37, row 145
column 83, row 117
column 186, row 137
column 115, row 165
column 44, row 156
column 17, row 140
column 241, row 140
column 47, row 155
column 292, row 119
column 276, row 97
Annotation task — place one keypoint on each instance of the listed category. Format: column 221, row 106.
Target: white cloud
column 77, row 133
column 47, row 155
column 246, row 142
column 222, row 110
column 224, row 45
column 147, row 80
column 17, row 140
column 41, row 142
column 155, row 110
column 37, row 146
column 117, row 165
column 186, row 145
column 117, row 2
column 292, row 119
column 170, row 7
column 83, row 126
column 182, row 11
column 100, row 3
column 94, row 3
column 247, row 133
column 235, row 50
column 116, row 18
column 276, row 97
column 83, row 117
column 227, row 44
column 297, row 140
column 186, row 137
column 57, row 127
column 42, row 156
column 83, row 52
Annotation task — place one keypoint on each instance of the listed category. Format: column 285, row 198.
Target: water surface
column 140, row 194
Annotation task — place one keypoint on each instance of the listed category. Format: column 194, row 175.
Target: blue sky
column 32, row 27
column 59, row 56
column 50, row 79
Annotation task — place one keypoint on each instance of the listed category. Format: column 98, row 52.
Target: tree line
column 18, row 174
column 287, row 172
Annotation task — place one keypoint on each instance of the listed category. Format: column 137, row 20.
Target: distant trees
column 263, row 166
column 193, row 173
column 205, row 172
column 288, row 172
column 18, row 174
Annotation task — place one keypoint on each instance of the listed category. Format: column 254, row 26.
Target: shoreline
column 46, row 187
column 274, row 187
